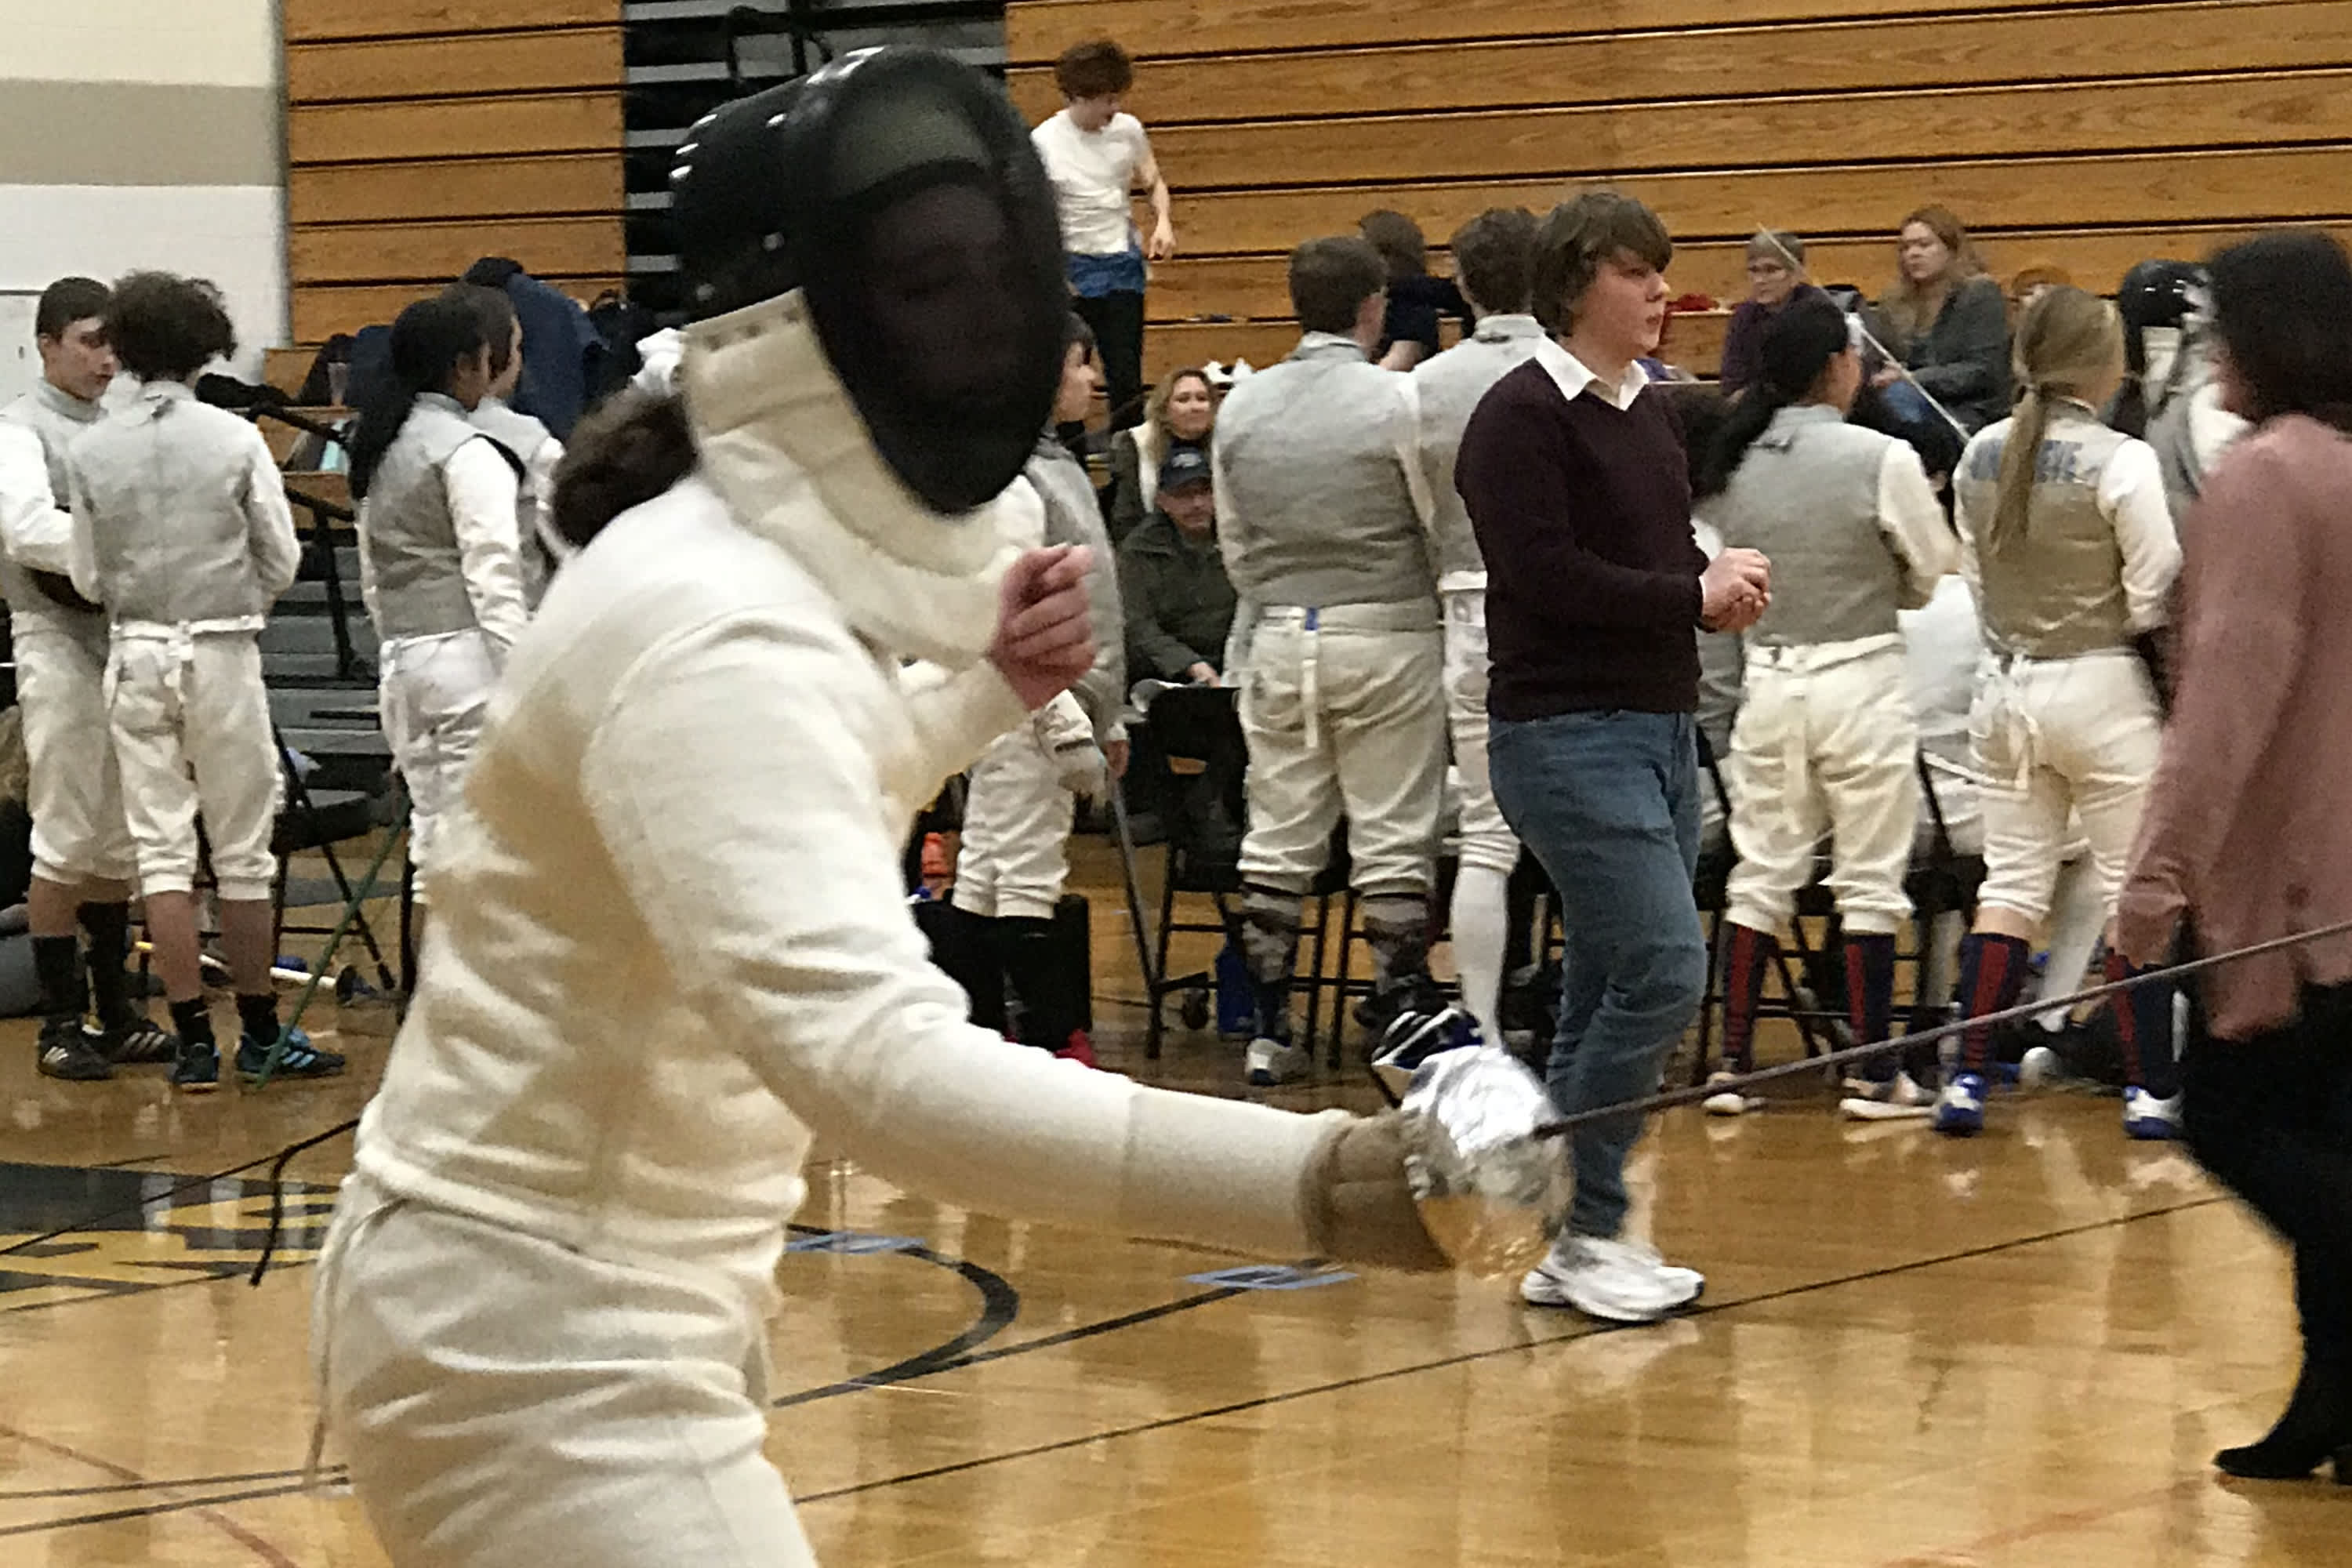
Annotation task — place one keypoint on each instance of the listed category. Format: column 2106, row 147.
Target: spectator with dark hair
column 82, row 856
column 1495, row 252
column 1948, row 324
column 1776, row 277
column 561, row 347
column 1098, row 157
column 181, row 531
column 1181, row 412
column 1417, row 301
column 1322, row 509
column 1579, row 493
column 526, row 437
column 2248, row 829
column 1172, row 581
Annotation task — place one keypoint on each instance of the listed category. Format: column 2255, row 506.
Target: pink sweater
column 2248, row 825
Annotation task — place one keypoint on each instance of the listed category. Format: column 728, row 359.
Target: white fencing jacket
column 670, row 945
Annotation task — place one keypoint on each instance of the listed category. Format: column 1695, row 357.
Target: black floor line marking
column 151, row 1510
column 126, row 1164
column 327, row 1473
column 1000, row 1304
column 1465, row 1358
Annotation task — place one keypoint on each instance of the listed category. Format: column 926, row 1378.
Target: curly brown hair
column 167, row 327
column 1092, row 68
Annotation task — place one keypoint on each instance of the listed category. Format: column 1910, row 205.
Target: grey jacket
column 36, row 519
column 1073, row 517
column 180, row 517
column 1962, row 359
column 1321, row 496
column 1450, row 387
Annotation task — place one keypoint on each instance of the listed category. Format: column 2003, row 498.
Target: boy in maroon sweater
column 1578, row 491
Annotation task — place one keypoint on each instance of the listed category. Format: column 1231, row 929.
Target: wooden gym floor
column 2015, row 1351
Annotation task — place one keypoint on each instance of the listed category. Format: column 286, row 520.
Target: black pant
column 1118, row 321
column 2271, row 1118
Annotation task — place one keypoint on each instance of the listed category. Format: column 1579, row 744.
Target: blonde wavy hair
column 1155, row 406
column 1911, row 310
column 2069, row 344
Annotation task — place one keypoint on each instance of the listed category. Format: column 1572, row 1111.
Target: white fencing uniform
column 1014, row 858
column 2066, row 725
column 181, row 531
column 535, row 448
column 1826, row 742
column 1449, row 387
column 441, row 568
column 671, row 953
column 79, row 831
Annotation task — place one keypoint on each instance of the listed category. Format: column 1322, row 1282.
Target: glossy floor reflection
column 2017, row 1350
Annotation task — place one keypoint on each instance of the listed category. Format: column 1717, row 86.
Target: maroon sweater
column 1583, row 513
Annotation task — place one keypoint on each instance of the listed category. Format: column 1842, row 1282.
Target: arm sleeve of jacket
column 1102, row 690
column 1972, row 360
column 955, row 715
column 1524, row 511
column 2131, row 493
column 836, row 1005
column 2242, row 641
column 1129, row 505
column 1913, row 520
column 483, row 491
column 81, row 550
column 268, row 521
column 35, row 524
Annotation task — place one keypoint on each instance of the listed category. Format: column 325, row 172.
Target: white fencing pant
column 191, row 721
column 434, row 696
column 79, row 834
column 2057, row 740
column 1825, row 743
column 503, row 1400
column 1480, row 919
column 1344, row 711
column 1016, row 831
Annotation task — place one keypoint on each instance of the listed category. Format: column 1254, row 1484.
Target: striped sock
column 1992, row 976
column 1743, row 992
column 1870, row 991
column 2144, row 1030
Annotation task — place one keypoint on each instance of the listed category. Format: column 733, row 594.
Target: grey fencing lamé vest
column 1806, row 494
column 407, row 530
column 1074, row 516
column 56, row 418
column 1451, row 386
column 2058, row 591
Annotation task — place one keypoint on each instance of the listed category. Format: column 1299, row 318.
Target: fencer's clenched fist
column 1735, row 590
column 1044, row 634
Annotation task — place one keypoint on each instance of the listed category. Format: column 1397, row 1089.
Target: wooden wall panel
column 422, row 134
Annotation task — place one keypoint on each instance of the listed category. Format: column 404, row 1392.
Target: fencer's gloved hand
column 1360, row 1204
column 1068, row 739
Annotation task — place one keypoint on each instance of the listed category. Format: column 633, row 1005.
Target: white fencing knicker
column 2058, row 740
column 1015, row 854
column 504, row 1400
column 1480, row 918
column 190, row 718
column 434, row 696
column 1344, row 712
column 1826, row 744
column 79, row 831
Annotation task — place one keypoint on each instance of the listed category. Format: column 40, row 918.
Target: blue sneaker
column 298, row 1059
column 197, row 1071
column 2150, row 1120
column 1960, row 1111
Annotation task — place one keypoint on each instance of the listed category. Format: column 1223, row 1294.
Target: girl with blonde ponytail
column 2068, row 543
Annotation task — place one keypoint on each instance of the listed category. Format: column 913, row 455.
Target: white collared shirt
column 1574, row 376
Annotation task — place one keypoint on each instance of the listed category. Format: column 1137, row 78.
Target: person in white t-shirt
column 1096, row 156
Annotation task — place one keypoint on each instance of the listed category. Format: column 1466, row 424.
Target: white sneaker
column 1728, row 1101
column 1685, row 1285
column 1900, row 1099
column 1614, row 1281
column 1277, row 1061
column 2150, row 1120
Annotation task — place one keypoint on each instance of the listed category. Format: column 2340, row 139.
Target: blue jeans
column 1609, row 804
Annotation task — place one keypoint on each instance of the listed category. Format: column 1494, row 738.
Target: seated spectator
column 1947, row 323
column 2033, row 278
column 1181, row 412
column 1408, row 331
column 1776, row 275
column 1171, row 580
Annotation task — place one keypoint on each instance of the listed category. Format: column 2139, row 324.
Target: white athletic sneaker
column 1615, row 1281
column 1900, row 1099
column 2150, row 1120
column 1277, row 1061
column 1725, row 1102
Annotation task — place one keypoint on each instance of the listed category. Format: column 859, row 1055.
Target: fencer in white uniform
column 1825, row 744
column 440, row 557
column 1323, row 508
column 525, row 436
column 2066, row 538
column 83, row 859
column 181, row 531
column 1025, row 789
column 1494, row 259
column 674, row 944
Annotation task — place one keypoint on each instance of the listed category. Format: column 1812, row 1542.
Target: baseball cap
column 1183, row 467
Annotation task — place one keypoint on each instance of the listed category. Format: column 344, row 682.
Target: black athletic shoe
column 196, row 1070
column 137, row 1041
column 64, row 1052
column 299, row 1058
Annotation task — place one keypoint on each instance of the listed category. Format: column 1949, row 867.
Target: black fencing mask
column 898, row 190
